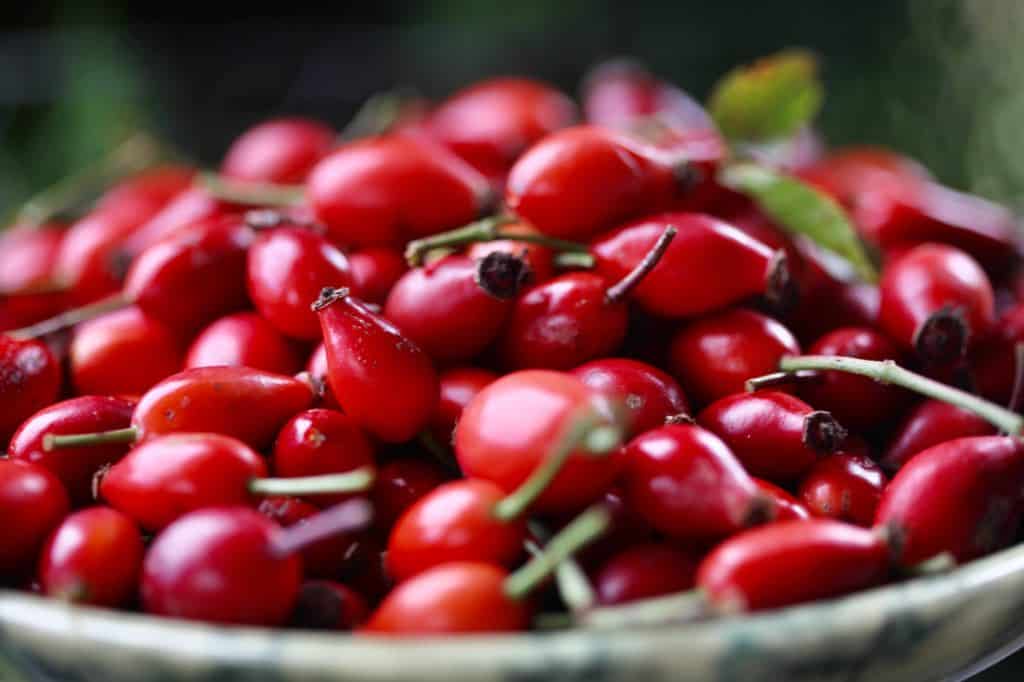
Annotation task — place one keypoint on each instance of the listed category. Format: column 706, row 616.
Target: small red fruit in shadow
column 644, row 571
column 34, row 497
column 844, row 487
column 281, row 151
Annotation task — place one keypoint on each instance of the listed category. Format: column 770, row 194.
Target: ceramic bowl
column 937, row 627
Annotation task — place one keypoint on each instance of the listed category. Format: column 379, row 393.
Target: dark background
column 938, row 79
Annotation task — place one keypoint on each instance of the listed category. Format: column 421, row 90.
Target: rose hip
column 844, row 487
column 961, row 497
column 644, row 571
column 459, row 385
column 374, row 271
column 649, row 394
column 328, row 605
column 35, row 498
column 936, row 299
column 685, row 482
column 326, row 558
column 287, row 268
column 30, row 379
column 281, row 150
column 787, row 507
column 713, row 356
column 93, row 557
column 400, row 484
column 124, row 352
column 792, row 562
column 378, row 376
column 929, row 424
column 245, row 340
column 74, row 466
column 774, row 435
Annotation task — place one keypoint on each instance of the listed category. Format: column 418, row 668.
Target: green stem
column 621, row 289
column 583, row 530
column 70, row 318
column 354, row 481
column 347, row 517
column 137, row 153
column 252, row 193
column 888, row 372
column 376, row 116
column 1017, row 393
column 485, row 230
column 780, row 378
column 53, row 441
column 674, row 608
column 585, row 432
column 574, row 259
column 573, row 586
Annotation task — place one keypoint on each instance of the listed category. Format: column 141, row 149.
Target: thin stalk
column 779, row 379
column 347, row 517
column 70, row 318
column 376, row 115
column 252, row 193
column 53, row 441
column 485, row 230
column 138, row 152
column 574, row 259
column 354, row 481
column 1017, row 394
column 586, row 432
column 583, row 530
column 621, row 289
column 888, row 372
column 573, row 585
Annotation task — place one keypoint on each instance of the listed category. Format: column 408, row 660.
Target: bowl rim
column 26, row 615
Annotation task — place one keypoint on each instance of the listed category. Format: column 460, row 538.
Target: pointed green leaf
column 769, row 99
column 800, row 209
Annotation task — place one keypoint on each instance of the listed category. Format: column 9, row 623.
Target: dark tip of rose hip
column 118, row 263
column 487, row 200
column 687, row 176
column 97, row 480
column 502, row 274
column 781, row 291
column 822, row 432
column 761, row 510
column 329, row 295
column 318, row 607
column 895, row 538
column 678, row 419
column 942, row 337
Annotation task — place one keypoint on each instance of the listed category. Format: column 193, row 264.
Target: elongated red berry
column 36, row 498
column 929, row 424
column 649, row 394
column 30, row 379
column 846, row 487
column 281, row 150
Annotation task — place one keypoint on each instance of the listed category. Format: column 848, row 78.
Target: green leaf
column 771, row 98
column 800, row 210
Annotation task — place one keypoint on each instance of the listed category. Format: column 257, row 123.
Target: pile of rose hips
column 395, row 383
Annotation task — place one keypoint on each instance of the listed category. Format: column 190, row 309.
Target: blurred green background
column 938, row 79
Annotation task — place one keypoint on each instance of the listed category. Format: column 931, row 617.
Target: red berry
column 448, row 309
column 378, row 376
column 374, row 271
column 248, row 404
column 709, row 265
column 91, row 259
column 648, row 393
column 318, row 442
column 28, row 263
column 143, row 194
column 124, row 352
column 327, row 605
column 386, row 190
column 93, row 557
column 793, row 562
column 287, row 268
column 74, row 466
column 400, row 484
column 961, row 497
column 936, row 299
column 644, row 571
column 326, row 558
column 453, row 598
column 35, row 498
column 714, row 356
column 930, row 423
column 281, row 150
column 857, row 402
column 787, row 507
column 844, row 487
column 774, row 435
column 30, row 379
column 581, row 180
column 218, row 565
column 540, row 259
column 620, row 93
column 684, row 481
column 492, row 122
column 166, row 477
column 245, row 340
column 507, row 430
column 459, row 386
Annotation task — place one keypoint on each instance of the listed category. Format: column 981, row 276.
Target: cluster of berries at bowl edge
column 508, row 361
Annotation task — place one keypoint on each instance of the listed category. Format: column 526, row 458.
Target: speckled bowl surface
column 938, row 627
